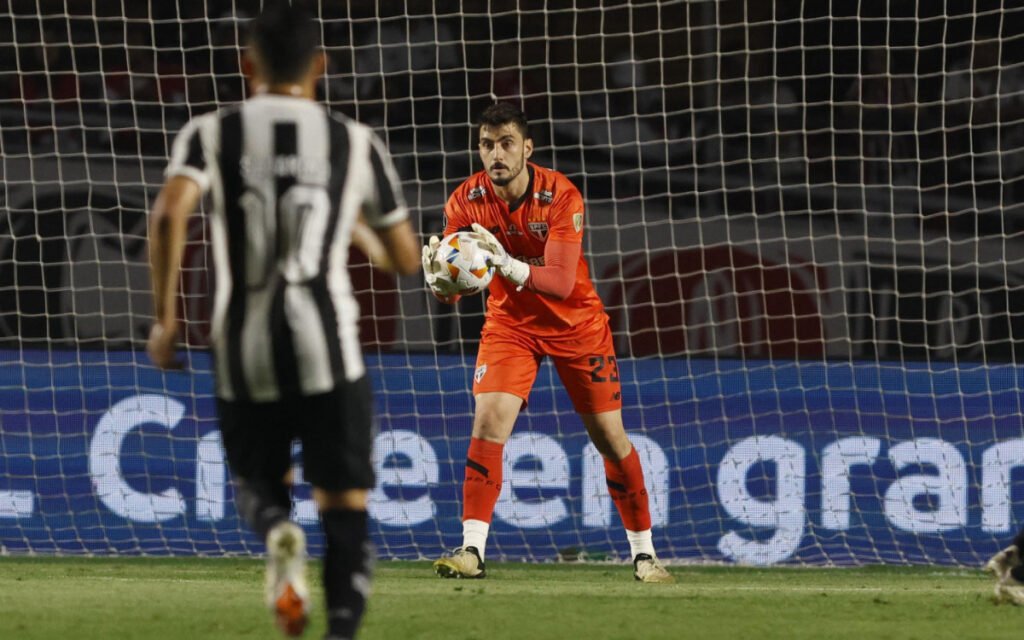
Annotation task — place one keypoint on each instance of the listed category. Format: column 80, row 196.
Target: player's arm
column 386, row 214
column 187, row 179
column 168, row 227
column 401, row 248
column 373, row 244
column 367, row 241
column 557, row 278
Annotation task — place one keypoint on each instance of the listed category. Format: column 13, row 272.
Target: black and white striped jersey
column 288, row 180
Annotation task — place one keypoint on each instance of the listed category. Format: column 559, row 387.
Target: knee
column 489, row 426
column 495, row 416
column 489, row 435
column 606, row 449
column 613, row 445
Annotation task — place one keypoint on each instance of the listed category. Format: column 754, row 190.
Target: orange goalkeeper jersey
column 551, row 209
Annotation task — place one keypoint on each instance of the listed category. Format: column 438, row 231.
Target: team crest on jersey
column 513, row 230
column 547, row 197
column 480, row 371
column 539, row 229
column 477, row 192
column 577, row 221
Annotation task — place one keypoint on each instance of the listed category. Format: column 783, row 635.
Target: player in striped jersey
column 288, row 182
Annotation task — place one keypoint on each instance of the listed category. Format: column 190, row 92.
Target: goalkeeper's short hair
column 502, row 113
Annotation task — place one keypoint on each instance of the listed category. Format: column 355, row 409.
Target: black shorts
column 336, row 430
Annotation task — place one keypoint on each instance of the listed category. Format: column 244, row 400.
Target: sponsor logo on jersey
column 547, row 197
column 539, row 229
column 513, row 230
column 477, row 192
column 480, row 371
column 577, row 221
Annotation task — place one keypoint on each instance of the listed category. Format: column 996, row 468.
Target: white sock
column 640, row 542
column 474, row 534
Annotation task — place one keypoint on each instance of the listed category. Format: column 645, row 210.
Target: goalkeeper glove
column 515, row 271
column 432, row 266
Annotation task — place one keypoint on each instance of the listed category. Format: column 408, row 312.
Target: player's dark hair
column 501, row 113
column 286, row 38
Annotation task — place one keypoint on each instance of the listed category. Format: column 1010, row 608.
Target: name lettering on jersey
column 513, row 230
column 539, row 229
column 305, row 169
column 477, row 192
column 577, row 221
column 547, row 197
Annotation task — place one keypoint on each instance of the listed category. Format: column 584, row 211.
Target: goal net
column 803, row 219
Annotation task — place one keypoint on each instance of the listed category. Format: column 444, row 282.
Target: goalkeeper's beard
column 504, row 182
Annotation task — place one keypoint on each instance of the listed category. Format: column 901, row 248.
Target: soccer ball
column 464, row 262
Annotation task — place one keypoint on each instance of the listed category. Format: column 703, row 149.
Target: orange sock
column 626, row 486
column 483, row 479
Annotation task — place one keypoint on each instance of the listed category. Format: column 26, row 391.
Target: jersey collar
column 526, row 194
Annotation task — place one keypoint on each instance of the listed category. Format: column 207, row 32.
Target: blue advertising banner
column 746, row 461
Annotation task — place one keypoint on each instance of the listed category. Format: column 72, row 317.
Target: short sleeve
column 386, row 204
column 188, row 154
column 566, row 220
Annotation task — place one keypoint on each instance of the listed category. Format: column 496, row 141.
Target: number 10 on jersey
column 292, row 230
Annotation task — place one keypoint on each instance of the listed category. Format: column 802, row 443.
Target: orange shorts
column 508, row 361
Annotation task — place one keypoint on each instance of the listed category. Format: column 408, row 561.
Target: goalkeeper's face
column 504, row 151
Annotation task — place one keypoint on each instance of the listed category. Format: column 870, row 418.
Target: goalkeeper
column 1008, row 569
column 544, row 304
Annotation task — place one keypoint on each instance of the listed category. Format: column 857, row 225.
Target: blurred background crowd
column 697, row 108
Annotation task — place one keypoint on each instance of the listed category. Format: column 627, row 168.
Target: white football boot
column 286, row 589
column 647, row 568
column 1008, row 588
column 464, row 562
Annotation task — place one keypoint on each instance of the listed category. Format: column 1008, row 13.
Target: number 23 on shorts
column 605, row 369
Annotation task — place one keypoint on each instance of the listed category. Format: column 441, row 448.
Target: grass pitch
column 194, row 599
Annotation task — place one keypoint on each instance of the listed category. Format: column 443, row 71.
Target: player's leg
column 257, row 441
column 259, row 457
column 625, row 479
column 286, row 589
column 348, row 558
column 493, row 420
column 506, row 369
column 589, row 371
column 337, row 436
column 1008, row 569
